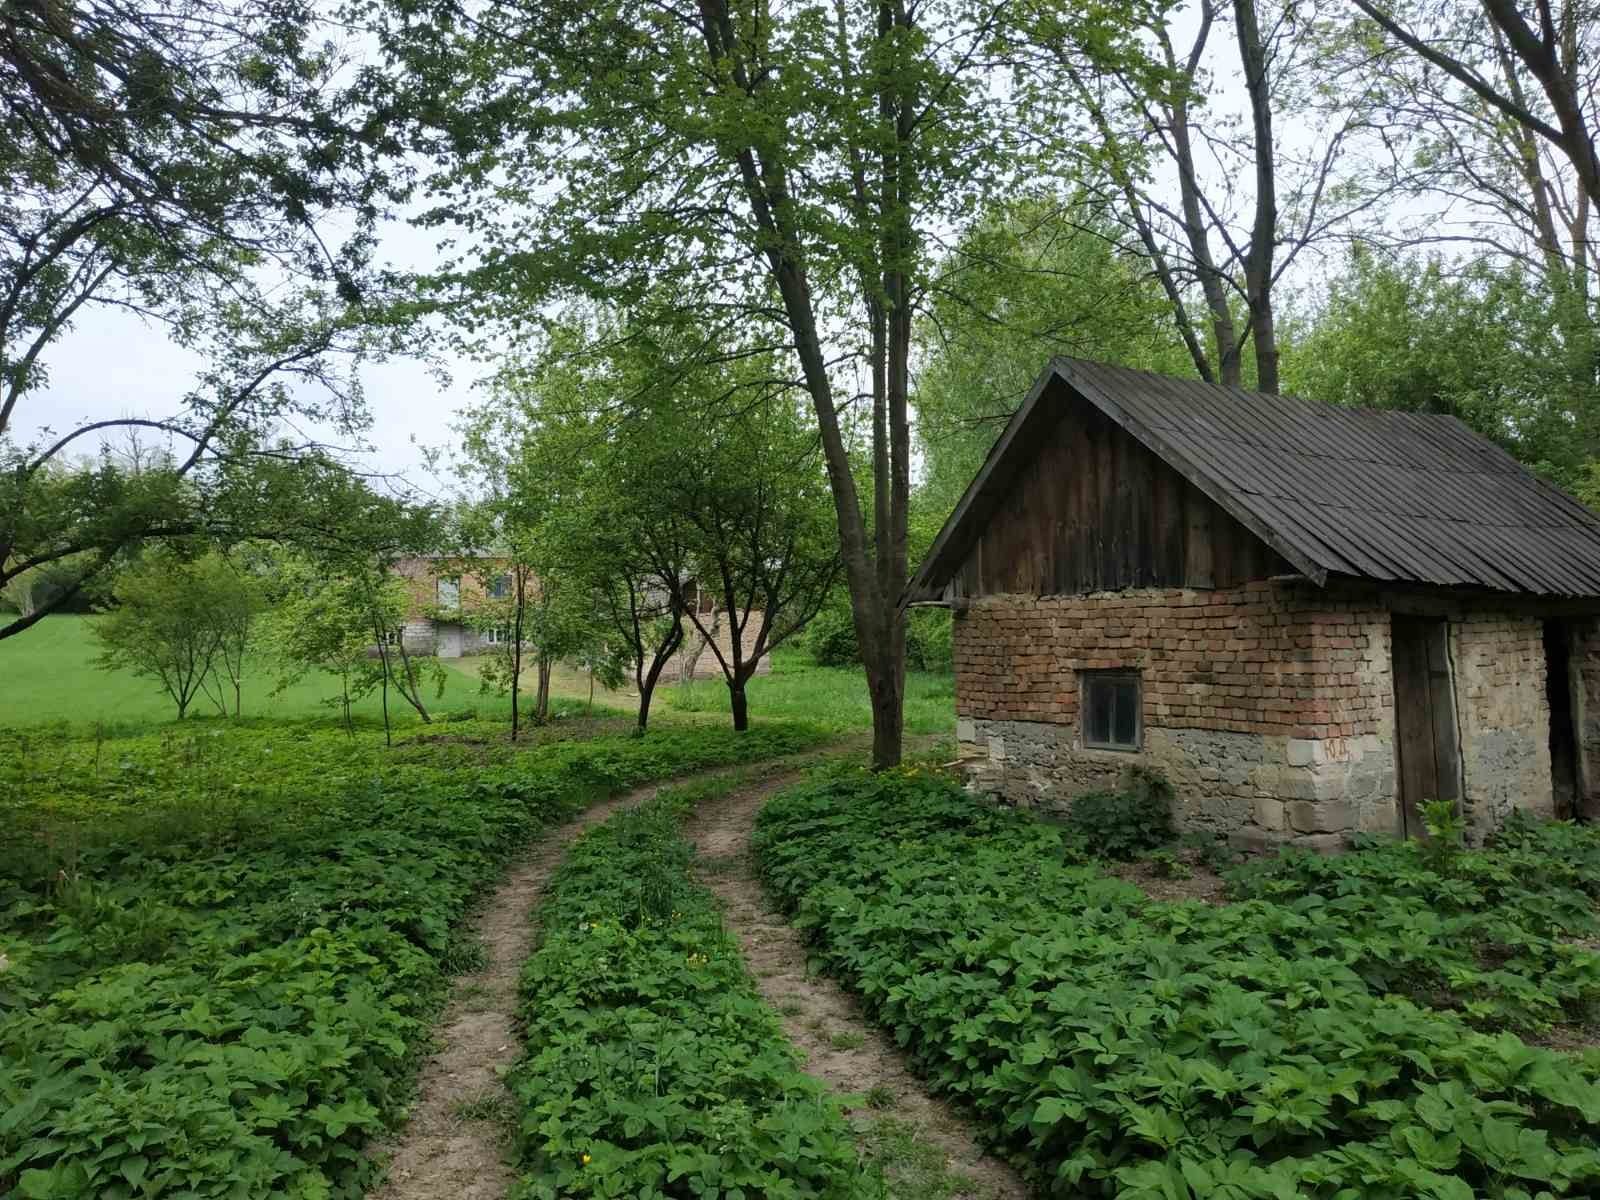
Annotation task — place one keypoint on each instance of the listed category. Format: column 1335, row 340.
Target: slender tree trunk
column 1258, row 266
column 238, row 699
column 646, row 678
column 388, row 736
column 767, row 191
column 516, row 654
column 542, row 701
column 740, row 705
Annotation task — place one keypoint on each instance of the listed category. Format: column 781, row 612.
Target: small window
column 500, row 587
column 449, row 592
column 391, row 637
column 497, row 636
column 1110, row 710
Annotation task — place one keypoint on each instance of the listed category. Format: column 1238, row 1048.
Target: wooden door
column 1424, row 719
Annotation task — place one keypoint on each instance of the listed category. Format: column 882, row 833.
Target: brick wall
column 1268, row 708
column 1257, row 659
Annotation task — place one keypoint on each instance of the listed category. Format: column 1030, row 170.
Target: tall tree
column 1027, row 280
column 777, row 172
column 179, row 162
column 1221, row 206
column 1532, row 64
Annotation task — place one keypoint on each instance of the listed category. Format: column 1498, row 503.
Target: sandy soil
column 840, row 1045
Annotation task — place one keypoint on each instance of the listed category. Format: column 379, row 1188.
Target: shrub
column 653, row 1067
column 831, row 638
column 1128, row 822
column 1123, row 1047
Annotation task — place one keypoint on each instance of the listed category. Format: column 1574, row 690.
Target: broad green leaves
column 1292, row 1045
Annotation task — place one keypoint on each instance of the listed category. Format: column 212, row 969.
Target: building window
column 391, row 637
column 497, row 635
column 1111, row 710
column 449, row 592
column 500, row 587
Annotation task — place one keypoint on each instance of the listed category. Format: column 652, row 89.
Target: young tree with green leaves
column 344, row 618
column 172, row 621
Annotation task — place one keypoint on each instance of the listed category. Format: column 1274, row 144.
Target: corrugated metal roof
column 1393, row 496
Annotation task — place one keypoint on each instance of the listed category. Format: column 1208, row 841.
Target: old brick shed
column 1310, row 618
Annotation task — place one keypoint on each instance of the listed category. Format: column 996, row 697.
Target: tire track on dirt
column 453, row 1144
column 841, row 1046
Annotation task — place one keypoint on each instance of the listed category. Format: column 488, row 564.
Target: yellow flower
column 586, row 1160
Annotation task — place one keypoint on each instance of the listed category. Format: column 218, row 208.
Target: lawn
column 799, row 689
column 50, row 675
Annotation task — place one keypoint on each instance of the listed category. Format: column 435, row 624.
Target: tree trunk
column 516, row 652
column 741, row 707
column 767, row 191
column 646, row 678
column 1258, row 265
column 542, row 701
column 388, row 736
column 238, row 699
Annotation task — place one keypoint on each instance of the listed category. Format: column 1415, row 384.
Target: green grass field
column 836, row 696
column 49, row 677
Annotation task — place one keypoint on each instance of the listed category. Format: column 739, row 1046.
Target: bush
column 1126, row 823
column 831, row 638
column 233, row 1010
column 1123, row 1047
column 653, row 1066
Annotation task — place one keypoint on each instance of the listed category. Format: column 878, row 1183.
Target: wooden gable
column 1093, row 510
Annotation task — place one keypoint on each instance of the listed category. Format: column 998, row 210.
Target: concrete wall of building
column 1498, row 663
column 696, row 651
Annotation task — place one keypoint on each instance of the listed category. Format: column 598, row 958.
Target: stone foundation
column 1261, row 791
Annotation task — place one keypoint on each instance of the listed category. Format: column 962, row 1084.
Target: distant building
column 446, row 592
column 442, row 598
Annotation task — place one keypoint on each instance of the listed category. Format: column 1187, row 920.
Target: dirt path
column 925, row 1148
column 453, row 1145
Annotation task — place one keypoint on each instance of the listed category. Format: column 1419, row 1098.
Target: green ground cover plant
column 229, row 1001
column 654, row 1069
column 1124, row 1047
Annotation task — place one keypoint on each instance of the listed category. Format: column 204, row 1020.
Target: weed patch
column 232, row 1008
column 1261, row 1049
